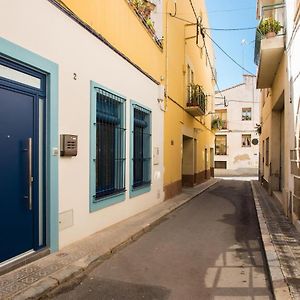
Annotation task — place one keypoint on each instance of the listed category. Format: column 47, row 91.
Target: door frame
column 22, row 56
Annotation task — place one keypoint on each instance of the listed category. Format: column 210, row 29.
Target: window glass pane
column 18, row 76
column 246, row 114
column 110, row 160
column 221, row 145
column 246, row 140
column 141, row 147
column 220, row 164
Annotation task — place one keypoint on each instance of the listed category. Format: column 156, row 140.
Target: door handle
column 30, row 178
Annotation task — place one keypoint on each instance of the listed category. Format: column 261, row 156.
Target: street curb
column 53, row 281
column 279, row 286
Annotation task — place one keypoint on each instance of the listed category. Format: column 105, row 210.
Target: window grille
column 221, row 145
column 141, row 146
column 220, row 165
column 246, row 140
column 110, row 144
column 246, row 114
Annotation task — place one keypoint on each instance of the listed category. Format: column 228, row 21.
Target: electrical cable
column 212, row 69
column 229, row 10
column 184, row 20
column 192, row 5
column 203, row 37
column 232, row 59
column 230, row 29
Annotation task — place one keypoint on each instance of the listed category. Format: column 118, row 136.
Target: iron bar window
column 221, row 145
column 246, row 140
column 141, row 146
column 110, row 144
column 196, row 96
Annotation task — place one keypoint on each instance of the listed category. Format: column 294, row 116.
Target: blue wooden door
column 18, row 170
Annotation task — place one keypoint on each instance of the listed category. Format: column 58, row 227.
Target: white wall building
column 57, row 78
column 292, row 126
column 236, row 144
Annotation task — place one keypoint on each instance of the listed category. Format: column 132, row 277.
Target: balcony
column 144, row 10
column 224, row 124
column 269, row 47
column 196, row 100
column 218, row 124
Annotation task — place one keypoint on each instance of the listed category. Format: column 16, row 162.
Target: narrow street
column 208, row 249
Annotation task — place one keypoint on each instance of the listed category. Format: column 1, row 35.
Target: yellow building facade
column 166, row 45
column 188, row 141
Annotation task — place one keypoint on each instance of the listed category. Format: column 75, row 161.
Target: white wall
column 40, row 27
column 240, row 160
column 293, row 69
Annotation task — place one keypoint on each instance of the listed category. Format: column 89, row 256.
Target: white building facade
column 278, row 79
column 236, row 143
column 81, row 132
column 293, row 101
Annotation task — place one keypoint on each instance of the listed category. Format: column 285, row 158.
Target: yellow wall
column 269, row 118
column 116, row 21
column 178, row 53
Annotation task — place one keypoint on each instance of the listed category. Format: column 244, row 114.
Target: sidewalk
column 282, row 245
column 43, row 275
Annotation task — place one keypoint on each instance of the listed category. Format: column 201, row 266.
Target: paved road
column 209, row 249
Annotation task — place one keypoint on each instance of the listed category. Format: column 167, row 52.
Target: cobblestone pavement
column 285, row 238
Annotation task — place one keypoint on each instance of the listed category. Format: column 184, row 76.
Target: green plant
column 258, row 128
column 150, row 24
column 216, row 124
column 269, row 25
column 139, row 4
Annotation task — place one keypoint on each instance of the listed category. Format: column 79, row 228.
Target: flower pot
column 270, row 35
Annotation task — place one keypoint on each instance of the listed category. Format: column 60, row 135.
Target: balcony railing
column 196, row 100
column 275, row 12
column 218, row 124
column 224, row 124
column 269, row 43
column 144, row 9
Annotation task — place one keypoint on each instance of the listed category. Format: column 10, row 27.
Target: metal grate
column 141, row 147
column 196, row 96
column 110, row 145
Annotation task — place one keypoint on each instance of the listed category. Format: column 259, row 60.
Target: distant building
column 235, row 119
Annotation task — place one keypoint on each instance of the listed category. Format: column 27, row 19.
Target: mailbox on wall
column 68, row 145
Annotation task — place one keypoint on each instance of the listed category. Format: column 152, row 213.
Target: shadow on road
column 208, row 249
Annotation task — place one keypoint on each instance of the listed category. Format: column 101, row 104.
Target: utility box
column 68, row 145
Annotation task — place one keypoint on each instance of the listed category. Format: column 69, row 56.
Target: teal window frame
column 136, row 191
column 112, row 199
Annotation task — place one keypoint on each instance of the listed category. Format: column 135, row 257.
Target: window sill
column 106, row 201
column 134, row 192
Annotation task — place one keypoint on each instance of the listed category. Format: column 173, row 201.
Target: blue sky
column 233, row 14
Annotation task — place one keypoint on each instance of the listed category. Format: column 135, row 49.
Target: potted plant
column 269, row 27
column 139, row 5
column 216, row 124
column 258, row 128
column 149, row 7
column 150, row 24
